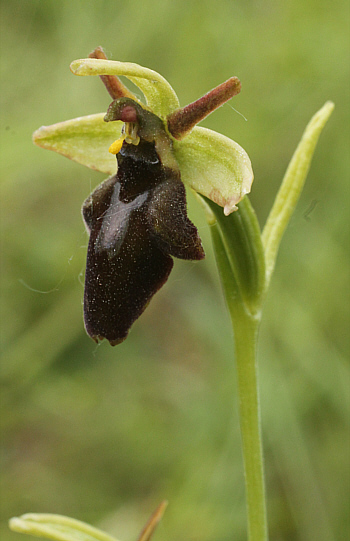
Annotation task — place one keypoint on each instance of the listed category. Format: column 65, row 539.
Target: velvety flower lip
column 210, row 163
column 137, row 223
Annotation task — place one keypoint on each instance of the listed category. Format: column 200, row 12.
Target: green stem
column 245, row 327
column 246, row 330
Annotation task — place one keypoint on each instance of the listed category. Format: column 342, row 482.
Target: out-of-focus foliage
column 103, row 434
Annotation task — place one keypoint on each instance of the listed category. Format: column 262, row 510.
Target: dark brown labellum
column 137, row 220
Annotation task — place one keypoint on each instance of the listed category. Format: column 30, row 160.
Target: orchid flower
column 137, row 219
column 210, row 163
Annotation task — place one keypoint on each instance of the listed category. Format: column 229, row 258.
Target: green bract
column 211, row 164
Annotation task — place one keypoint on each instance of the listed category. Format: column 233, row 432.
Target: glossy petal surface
column 124, row 266
column 136, row 219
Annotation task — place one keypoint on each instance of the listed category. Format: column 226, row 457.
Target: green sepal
column 85, row 140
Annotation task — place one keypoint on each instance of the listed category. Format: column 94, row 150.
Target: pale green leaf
column 57, row 528
column 85, row 140
column 214, row 166
column 160, row 96
column 291, row 187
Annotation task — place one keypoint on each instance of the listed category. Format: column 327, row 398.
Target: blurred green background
column 104, row 434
